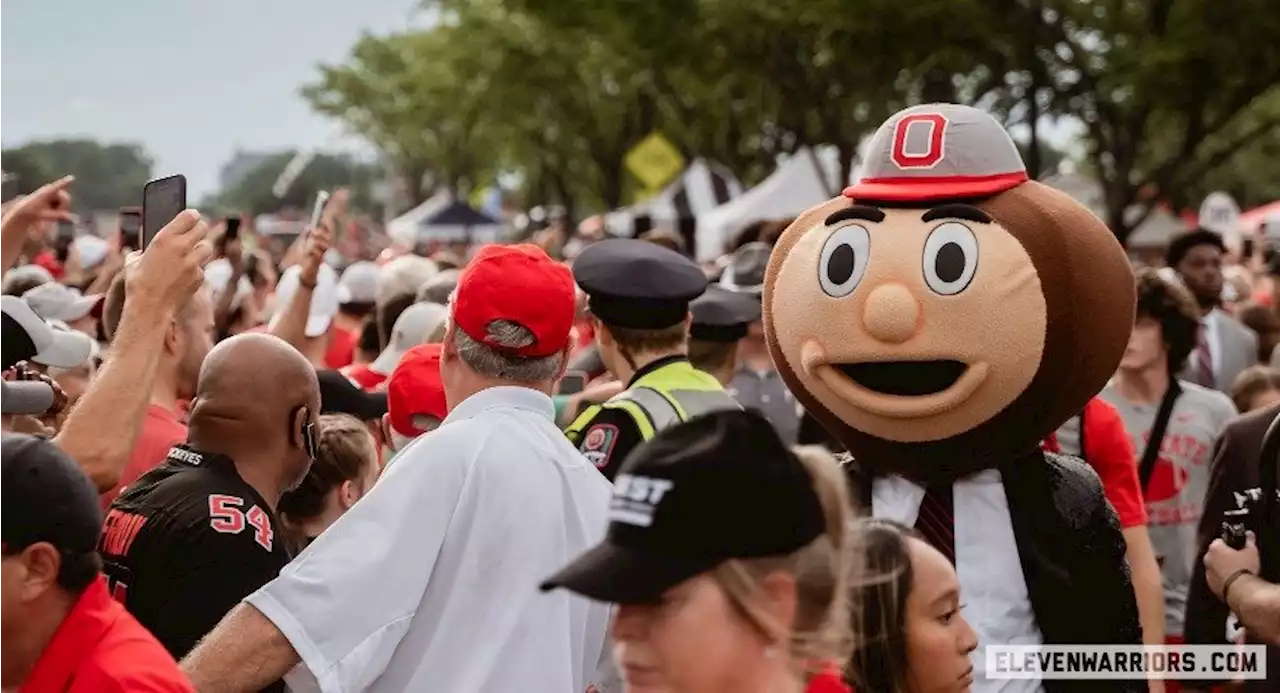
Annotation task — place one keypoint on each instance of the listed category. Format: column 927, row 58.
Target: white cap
column 412, row 328
column 67, row 336
column 54, row 301
column 404, row 275
column 324, row 298
column 359, row 283
column 216, row 276
column 92, row 250
column 52, row 347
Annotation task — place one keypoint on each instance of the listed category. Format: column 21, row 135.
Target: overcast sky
column 192, row 81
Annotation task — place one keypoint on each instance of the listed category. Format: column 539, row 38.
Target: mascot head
column 946, row 313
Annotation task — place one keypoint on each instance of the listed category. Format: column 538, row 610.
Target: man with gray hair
column 427, row 582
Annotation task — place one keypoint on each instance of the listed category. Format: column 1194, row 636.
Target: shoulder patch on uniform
column 598, row 442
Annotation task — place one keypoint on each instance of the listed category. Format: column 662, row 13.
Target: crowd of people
column 809, row 466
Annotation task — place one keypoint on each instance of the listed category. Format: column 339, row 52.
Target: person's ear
column 173, row 337
column 348, row 495
column 779, row 591
column 301, row 417
column 603, row 335
column 40, row 565
column 448, row 348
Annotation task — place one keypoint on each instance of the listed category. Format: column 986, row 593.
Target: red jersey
column 342, row 348
column 161, row 430
column 100, row 648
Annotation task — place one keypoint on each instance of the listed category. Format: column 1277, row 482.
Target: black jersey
column 185, row 543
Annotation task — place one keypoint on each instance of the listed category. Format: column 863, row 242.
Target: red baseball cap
column 415, row 389
column 519, row 283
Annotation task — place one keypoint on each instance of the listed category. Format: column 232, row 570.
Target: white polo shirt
column 430, row 583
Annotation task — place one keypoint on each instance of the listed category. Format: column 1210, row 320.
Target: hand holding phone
column 163, row 199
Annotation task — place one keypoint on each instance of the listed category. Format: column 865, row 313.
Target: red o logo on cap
column 937, row 128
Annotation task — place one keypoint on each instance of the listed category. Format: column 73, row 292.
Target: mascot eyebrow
column 957, row 211
column 859, row 212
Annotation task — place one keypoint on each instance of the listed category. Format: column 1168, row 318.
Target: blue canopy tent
column 452, row 221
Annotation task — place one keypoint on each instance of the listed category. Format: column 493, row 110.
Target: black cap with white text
column 718, row 487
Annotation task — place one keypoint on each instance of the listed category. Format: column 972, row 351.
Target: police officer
column 639, row 294
column 720, row 320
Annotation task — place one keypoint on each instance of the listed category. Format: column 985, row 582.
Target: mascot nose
column 891, row 313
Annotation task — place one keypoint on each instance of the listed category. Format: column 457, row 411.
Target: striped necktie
column 1204, row 359
column 936, row 520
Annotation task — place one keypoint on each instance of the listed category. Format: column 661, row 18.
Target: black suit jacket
column 1235, row 469
column 1072, row 555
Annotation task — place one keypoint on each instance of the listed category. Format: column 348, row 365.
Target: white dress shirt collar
column 506, row 396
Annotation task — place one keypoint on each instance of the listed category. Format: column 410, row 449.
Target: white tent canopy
column 701, row 188
column 807, row 178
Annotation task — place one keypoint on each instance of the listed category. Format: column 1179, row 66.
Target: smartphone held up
column 322, row 198
column 130, row 228
column 162, row 200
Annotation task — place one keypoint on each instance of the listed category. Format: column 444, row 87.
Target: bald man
column 194, row 536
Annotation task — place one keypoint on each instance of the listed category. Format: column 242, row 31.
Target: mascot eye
column 844, row 260
column 950, row 258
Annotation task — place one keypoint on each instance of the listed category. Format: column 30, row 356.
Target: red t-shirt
column 1109, row 451
column 100, row 648
column 363, row 376
column 342, row 348
column 160, row 431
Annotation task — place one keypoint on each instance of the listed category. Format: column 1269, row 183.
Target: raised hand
column 50, row 202
column 172, row 267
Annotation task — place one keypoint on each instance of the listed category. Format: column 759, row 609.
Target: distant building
column 240, row 165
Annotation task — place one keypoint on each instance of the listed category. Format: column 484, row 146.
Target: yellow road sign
column 654, row 161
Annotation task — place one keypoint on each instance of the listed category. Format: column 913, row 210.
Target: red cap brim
column 943, row 188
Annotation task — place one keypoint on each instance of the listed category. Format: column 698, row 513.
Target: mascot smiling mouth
column 901, row 389
column 905, row 378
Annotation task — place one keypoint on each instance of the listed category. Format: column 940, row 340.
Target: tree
column 402, row 94
column 252, row 192
column 108, row 176
column 29, row 172
column 1169, row 92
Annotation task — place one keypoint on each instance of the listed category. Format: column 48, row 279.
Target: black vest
column 1072, row 555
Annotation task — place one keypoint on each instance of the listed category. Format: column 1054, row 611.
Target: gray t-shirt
column 1179, row 481
column 765, row 392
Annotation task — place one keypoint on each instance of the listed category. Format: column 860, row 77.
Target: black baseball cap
column 45, row 497
column 338, row 395
column 718, row 487
column 723, row 316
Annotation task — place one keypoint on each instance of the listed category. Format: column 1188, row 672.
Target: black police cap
column 718, row 487
column 723, row 316
column 45, row 497
column 633, row 283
